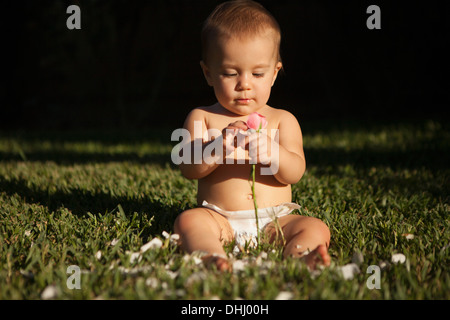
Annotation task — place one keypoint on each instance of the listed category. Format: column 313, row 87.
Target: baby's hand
column 232, row 133
column 260, row 148
column 235, row 126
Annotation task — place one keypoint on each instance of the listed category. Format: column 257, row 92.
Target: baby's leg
column 202, row 229
column 304, row 234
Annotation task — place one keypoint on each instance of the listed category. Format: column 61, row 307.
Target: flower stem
column 254, row 203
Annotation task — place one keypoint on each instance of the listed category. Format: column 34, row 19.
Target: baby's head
column 241, row 54
column 239, row 19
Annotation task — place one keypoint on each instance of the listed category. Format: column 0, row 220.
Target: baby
column 241, row 61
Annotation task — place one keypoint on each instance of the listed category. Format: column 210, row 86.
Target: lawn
column 105, row 203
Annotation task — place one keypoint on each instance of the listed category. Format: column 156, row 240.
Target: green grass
column 66, row 197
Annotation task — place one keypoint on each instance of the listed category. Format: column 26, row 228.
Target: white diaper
column 243, row 222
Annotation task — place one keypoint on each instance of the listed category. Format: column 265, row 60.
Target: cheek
column 224, row 88
column 221, row 94
column 265, row 88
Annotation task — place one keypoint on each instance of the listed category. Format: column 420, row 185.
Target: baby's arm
column 191, row 170
column 285, row 158
column 292, row 164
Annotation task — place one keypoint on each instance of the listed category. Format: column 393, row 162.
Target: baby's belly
column 235, row 193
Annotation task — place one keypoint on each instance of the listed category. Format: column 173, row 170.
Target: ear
column 206, row 73
column 278, row 67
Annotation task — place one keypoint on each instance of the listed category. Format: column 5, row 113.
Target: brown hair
column 238, row 18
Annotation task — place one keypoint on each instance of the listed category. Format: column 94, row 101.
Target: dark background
column 135, row 64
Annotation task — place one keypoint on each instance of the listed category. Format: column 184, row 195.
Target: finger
column 258, row 148
column 242, row 139
column 229, row 131
column 253, row 138
column 263, row 154
column 228, row 135
column 240, row 125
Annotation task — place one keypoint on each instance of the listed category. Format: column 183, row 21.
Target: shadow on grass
column 432, row 151
column 80, row 202
column 432, row 157
column 427, row 168
column 141, row 147
column 423, row 157
column 69, row 158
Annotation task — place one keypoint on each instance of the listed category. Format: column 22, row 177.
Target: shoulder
column 288, row 126
column 212, row 117
column 197, row 114
column 204, row 111
column 286, row 115
column 283, row 117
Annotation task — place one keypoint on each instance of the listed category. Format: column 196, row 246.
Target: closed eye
column 229, row 75
column 258, row 75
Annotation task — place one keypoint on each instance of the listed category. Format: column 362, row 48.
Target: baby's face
column 242, row 72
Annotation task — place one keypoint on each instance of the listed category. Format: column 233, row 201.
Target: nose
column 243, row 83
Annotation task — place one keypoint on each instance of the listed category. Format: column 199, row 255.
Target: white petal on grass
column 196, row 277
column 152, row 283
column 398, row 258
column 384, row 264
column 180, row 293
column 50, row 292
column 174, row 238
column 408, row 236
column 114, row 242
column 315, row 273
column 259, row 259
column 155, row 243
column 238, row 265
column 170, row 263
column 165, row 234
column 135, row 257
column 268, row 264
column 98, row 255
column 134, row 271
column 27, row 274
column 195, row 259
column 349, row 270
column 172, row 274
column 284, row 295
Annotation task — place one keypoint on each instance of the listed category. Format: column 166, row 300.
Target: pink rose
column 256, row 121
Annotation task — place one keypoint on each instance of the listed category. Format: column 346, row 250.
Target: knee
column 314, row 228
column 326, row 233
column 193, row 220
column 183, row 222
column 321, row 229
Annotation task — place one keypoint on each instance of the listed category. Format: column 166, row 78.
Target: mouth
column 243, row 101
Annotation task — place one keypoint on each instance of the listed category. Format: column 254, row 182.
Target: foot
column 222, row 264
column 317, row 257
